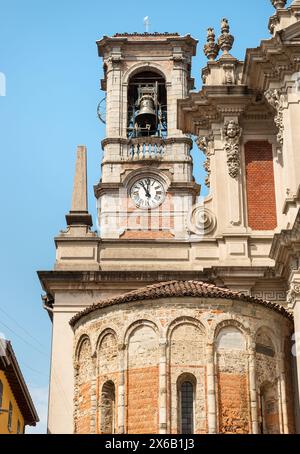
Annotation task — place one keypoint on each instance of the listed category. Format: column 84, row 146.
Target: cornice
column 103, row 188
column 105, row 44
column 83, row 280
column 125, row 141
column 273, row 59
column 212, row 104
column 285, row 249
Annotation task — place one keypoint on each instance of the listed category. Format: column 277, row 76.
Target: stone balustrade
column 144, row 148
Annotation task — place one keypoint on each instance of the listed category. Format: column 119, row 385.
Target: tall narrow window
column 187, row 407
column 1, row 393
column 108, row 408
column 18, row 428
column 10, row 412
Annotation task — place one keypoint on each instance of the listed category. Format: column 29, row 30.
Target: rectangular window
column 1, row 394
column 187, row 408
column 10, row 413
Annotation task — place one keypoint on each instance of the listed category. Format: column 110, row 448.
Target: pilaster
column 163, row 422
column 211, row 391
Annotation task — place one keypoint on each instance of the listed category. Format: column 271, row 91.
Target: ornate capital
column 293, row 294
column 275, row 99
column 232, row 133
column 121, row 347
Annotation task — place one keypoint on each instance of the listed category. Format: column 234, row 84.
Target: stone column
column 211, row 390
column 94, row 400
column 121, row 388
column 163, row 387
column 279, row 405
column 282, row 381
column 253, row 391
column 294, row 304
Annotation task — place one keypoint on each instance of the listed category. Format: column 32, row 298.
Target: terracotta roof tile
column 179, row 289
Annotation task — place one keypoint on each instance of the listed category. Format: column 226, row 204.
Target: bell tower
column 147, row 186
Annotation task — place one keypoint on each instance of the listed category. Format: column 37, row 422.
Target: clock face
column 147, row 193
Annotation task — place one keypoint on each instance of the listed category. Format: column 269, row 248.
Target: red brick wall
column 233, row 403
column 83, row 423
column 260, row 185
column 142, row 415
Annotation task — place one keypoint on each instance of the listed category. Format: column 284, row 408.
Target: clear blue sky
column 49, row 57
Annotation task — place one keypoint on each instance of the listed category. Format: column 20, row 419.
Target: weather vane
column 147, row 24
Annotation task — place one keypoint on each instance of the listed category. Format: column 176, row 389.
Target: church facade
column 181, row 314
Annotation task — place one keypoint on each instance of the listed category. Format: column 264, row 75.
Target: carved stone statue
column 232, row 133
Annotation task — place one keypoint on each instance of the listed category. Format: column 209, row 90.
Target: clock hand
column 148, row 187
column 148, row 195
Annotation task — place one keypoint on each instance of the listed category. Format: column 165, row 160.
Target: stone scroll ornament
column 275, row 99
column 232, row 133
column 206, row 144
column 201, row 221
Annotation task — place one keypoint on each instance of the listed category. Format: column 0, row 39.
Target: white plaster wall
column 61, row 407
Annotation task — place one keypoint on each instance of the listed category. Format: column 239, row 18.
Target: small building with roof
column 16, row 407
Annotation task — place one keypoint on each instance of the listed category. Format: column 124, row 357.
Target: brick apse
column 140, row 357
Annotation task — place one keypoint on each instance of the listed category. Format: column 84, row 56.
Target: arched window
column 1, row 393
column 108, row 408
column 186, row 398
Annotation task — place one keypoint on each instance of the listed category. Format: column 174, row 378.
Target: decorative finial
column 211, row 48
column 226, row 40
column 278, row 4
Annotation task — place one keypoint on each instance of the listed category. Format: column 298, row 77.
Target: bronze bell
column 146, row 117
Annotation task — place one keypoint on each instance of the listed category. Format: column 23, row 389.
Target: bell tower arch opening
column 147, row 105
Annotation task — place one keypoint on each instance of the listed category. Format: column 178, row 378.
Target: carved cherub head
column 232, row 129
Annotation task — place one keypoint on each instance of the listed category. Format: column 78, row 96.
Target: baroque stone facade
column 181, row 313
